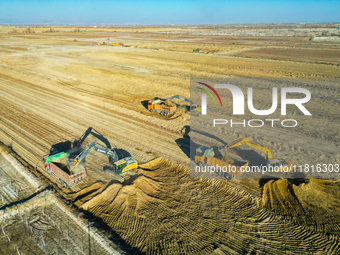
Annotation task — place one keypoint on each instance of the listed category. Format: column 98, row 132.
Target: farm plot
column 15, row 183
column 43, row 225
column 323, row 56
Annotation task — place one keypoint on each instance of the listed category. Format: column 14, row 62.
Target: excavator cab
column 119, row 167
column 278, row 164
column 124, row 165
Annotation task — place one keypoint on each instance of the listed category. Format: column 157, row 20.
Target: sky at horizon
column 134, row 12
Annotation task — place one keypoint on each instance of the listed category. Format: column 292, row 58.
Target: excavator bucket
column 195, row 109
column 74, row 167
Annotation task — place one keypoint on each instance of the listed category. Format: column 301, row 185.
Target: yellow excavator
column 118, row 166
column 271, row 163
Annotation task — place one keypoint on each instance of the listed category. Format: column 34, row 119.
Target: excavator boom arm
column 249, row 142
column 96, row 134
column 264, row 149
column 96, row 147
column 181, row 98
column 84, row 153
column 106, row 151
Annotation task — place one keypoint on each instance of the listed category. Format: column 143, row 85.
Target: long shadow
column 122, row 153
column 184, row 145
column 187, row 146
column 254, row 158
column 186, row 131
column 93, row 132
column 61, row 147
column 209, row 135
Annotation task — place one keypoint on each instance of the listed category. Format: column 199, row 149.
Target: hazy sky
column 168, row 12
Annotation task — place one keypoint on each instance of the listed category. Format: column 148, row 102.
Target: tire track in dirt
column 34, row 118
column 97, row 117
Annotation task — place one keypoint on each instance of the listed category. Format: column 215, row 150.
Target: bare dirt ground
column 304, row 55
column 36, row 221
column 43, row 226
column 16, row 183
column 52, row 89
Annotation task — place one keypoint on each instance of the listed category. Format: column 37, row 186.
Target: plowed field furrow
column 72, row 101
column 95, row 116
column 27, row 150
column 66, row 99
column 38, row 126
column 36, row 108
column 101, row 95
column 54, row 92
column 41, row 144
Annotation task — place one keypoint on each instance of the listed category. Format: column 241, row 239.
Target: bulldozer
column 271, row 162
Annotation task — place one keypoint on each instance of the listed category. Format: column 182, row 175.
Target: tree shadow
column 113, row 236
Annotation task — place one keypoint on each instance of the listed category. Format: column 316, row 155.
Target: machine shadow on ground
column 145, row 104
column 75, row 148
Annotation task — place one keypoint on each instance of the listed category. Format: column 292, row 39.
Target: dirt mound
column 162, row 209
column 314, row 204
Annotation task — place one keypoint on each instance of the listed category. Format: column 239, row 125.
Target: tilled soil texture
column 42, row 225
column 53, row 89
column 15, row 182
column 33, row 220
column 314, row 141
column 162, row 210
column 304, row 55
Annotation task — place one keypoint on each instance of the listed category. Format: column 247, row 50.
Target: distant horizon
column 159, row 25
column 175, row 12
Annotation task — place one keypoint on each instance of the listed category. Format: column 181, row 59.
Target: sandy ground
column 53, row 89
column 315, row 139
column 36, row 221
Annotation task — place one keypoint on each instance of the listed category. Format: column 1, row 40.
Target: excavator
column 71, row 170
column 167, row 107
column 271, row 163
column 118, row 166
column 192, row 107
